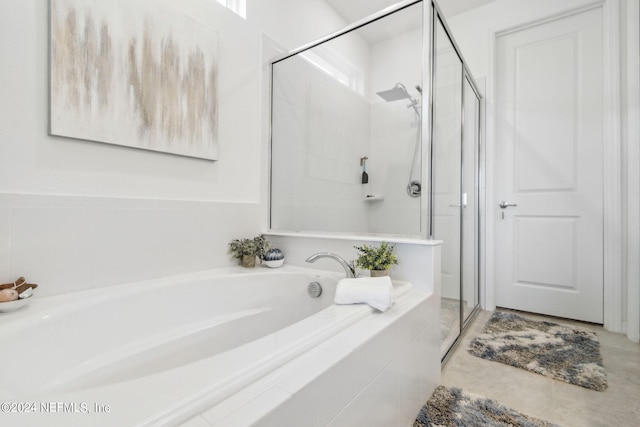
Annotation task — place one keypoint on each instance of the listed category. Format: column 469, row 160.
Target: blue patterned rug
column 566, row 353
column 449, row 407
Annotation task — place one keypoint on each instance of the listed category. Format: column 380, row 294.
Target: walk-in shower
column 327, row 116
column 397, row 93
column 393, row 89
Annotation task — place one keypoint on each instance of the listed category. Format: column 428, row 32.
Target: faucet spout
column 348, row 269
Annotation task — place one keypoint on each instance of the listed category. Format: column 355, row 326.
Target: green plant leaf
column 257, row 246
column 376, row 258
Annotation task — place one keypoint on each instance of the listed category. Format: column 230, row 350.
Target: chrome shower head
column 397, row 93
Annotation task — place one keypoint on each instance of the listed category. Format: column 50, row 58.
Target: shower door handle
column 460, row 205
column 505, row 205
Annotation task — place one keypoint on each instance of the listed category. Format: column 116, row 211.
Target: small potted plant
column 248, row 249
column 378, row 260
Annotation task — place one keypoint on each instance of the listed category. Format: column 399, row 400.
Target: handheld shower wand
column 398, row 92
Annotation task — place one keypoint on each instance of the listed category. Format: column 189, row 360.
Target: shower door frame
column 478, row 179
column 426, row 116
column 436, row 16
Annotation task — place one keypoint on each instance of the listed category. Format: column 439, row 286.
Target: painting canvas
column 134, row 73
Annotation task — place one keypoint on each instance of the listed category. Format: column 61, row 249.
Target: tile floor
column 555, row 401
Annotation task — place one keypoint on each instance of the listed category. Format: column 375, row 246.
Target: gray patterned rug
column 566, row 353
column 448, row 407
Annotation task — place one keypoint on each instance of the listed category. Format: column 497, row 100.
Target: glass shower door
column 470, row 191
column 447, row 181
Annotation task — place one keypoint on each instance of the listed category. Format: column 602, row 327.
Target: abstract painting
column 134, row 73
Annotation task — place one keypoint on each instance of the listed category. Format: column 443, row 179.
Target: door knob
column 505, row 205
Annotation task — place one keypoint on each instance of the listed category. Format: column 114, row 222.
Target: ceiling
column 455, row 7
column 354, row 10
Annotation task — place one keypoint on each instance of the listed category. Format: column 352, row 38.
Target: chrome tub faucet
column 348, row 268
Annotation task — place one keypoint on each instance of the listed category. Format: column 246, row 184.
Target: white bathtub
column 164, row 351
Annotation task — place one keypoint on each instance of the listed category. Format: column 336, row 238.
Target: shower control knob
column 414, row 188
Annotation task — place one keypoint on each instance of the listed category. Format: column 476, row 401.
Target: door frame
column 632, row 106
column 612, row 197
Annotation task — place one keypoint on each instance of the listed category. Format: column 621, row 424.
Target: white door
column 548, row 164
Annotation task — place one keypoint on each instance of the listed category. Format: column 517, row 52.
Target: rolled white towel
column 375, row 291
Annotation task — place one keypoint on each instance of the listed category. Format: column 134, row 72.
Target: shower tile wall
column 322, row 131
column 322, row 128
column 394, row 129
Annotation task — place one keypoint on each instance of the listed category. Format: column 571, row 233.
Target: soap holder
column 7, row 307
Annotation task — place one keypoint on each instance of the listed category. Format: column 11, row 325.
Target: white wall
column 472, row 30
column 77, row 214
